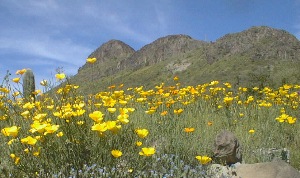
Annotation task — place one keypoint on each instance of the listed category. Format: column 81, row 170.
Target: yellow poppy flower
column 142, row 133
column 60, row 76
column 29, row 140
column 203, row 159
column 26, row 150
column 21, row 72
column 189, row 129
column 10, row 131
column 116, row 153
column 11, row 141
column 138, row 143
column 251, row 131
column 228, row 100
column 100, row 127
column 164, row 113
column 4, row 90
column 16, row 80
column 178, row 111
column 97, row 116
column 291, row 120
column 91, row 60
column 111, row 110
column 51, row 129
column 59, row 134
column 147, row 151
column 112, row 126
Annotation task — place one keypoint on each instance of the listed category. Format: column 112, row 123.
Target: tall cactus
column 28, row 85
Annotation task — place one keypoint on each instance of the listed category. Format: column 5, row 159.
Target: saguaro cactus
column 28, row 84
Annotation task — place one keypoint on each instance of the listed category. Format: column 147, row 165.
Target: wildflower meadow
column 164, row 131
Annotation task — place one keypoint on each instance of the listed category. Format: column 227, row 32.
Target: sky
column 46, row 35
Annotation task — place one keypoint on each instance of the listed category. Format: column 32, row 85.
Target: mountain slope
column 258, row 56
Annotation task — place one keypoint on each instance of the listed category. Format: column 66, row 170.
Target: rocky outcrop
column 227, row 148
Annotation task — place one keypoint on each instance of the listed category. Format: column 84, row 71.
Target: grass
column 68, row 138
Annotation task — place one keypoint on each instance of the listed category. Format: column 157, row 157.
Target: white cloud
column 45, row 47
column 40, row 34
column 32, row 7
column 59, row 33
column 117, row 21
column 92, row 18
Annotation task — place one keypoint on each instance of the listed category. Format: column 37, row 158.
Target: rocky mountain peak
column 161, row 49
column 260, row 42
column 113, row 49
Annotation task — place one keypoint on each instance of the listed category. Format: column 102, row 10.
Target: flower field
column 165, row 131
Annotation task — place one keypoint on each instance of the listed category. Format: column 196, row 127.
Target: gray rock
column 274, row 169
column 220, row 171
column 227, row 148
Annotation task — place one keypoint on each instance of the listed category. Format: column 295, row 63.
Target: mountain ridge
column 258, row 52
column 163, row 47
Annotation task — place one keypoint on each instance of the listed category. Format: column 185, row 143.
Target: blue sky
column 48, row 34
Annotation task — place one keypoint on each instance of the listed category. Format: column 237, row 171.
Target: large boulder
column 274, row 169
column 227, row 148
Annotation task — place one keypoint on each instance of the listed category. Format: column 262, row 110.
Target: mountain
column 108, row 55
column 160, row 50
column 258, row 43
column 259, row 56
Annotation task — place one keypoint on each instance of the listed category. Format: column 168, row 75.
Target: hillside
column 260, row 56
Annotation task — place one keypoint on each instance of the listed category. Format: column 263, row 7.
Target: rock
column 219, row 171
column 227, row 148
column 274, row 169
